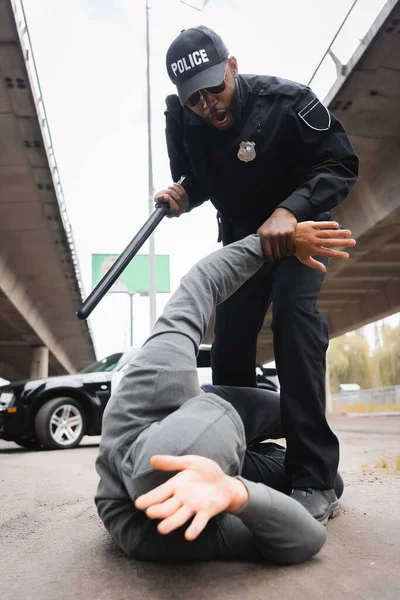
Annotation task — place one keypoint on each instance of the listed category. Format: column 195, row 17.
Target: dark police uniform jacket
column 304, row 160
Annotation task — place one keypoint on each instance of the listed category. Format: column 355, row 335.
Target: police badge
column 246, row 151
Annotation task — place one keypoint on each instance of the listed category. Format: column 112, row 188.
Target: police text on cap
column 195, row 58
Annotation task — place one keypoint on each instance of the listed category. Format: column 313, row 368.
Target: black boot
column 321, row 504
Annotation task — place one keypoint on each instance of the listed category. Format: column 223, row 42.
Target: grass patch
column 384, row 465
column 366, row 408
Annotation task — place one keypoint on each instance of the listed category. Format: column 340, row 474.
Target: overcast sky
column 91, row 61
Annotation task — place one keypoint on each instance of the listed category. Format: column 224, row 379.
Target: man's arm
column 281, row 531
column 258, row 523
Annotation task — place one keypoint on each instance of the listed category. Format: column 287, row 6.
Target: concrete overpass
column 366, row 99
column 40, row 285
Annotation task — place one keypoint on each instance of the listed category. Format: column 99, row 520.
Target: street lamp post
column 131, row 295
column 152, row 255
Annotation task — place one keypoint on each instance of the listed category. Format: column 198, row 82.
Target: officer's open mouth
column 219, row 116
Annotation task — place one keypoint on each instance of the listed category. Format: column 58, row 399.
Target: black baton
column 126, row 256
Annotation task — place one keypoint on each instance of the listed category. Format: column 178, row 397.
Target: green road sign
column 135, row 278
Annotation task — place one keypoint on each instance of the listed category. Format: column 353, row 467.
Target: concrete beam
column 372, row 307
column 355, row 277
column 380, row 264
column 341, row 290
column 15, row 291
column 13, row 344
column 361, row 212
column 332, row 302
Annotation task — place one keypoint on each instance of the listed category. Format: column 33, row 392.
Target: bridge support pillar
column 40, row 362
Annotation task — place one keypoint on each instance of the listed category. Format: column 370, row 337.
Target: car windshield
column 106, row 364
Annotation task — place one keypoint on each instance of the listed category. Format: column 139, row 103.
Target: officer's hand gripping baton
column 125, row 257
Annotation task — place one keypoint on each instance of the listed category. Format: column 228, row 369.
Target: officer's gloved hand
column 177, row 198
column 319, row 238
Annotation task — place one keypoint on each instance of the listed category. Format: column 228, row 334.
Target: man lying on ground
column 173, row 453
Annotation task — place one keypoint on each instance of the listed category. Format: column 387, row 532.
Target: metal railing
column 348, row 43
column 375, row 399
column 329, row 49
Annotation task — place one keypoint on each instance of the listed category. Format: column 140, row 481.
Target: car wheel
column 28, row 443
column 60, row 424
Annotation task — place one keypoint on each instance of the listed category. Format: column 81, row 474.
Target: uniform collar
column 244, row 89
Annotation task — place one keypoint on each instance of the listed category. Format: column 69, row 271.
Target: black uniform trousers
column 300, row 335
column 264, row 462
column 260, row 414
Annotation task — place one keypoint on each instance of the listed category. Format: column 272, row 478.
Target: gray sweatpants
column 159, row 408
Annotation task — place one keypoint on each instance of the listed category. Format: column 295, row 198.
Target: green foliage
column 351, row 360
column 388, row 356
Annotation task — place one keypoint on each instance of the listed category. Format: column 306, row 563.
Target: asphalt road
column 53, row 546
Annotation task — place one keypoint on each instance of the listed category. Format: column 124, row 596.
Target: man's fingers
column 320, row 238
column 174, row 207
column 290, row 246
column 164, row 510
column 156, row 496
column 196, row 526
column 328, row 233
column 163, row 197
column 336, row 243
column 314, row 264
column 283, row 243
column 276, row 253
column 267, row 250
column 176, row 193
column 180, row 188
column 178, row 519
column 325, row 225
column 335, row 254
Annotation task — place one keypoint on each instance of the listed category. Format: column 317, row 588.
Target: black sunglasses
column 195, row 98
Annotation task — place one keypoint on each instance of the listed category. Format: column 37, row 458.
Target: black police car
column 56, row 412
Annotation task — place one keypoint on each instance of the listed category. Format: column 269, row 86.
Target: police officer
column 268, row 155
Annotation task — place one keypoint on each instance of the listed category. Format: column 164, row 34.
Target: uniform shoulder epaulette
column 286, row 86
column 264, row 85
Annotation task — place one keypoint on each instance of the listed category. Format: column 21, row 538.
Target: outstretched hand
column 201, row 490
column 321, row 238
